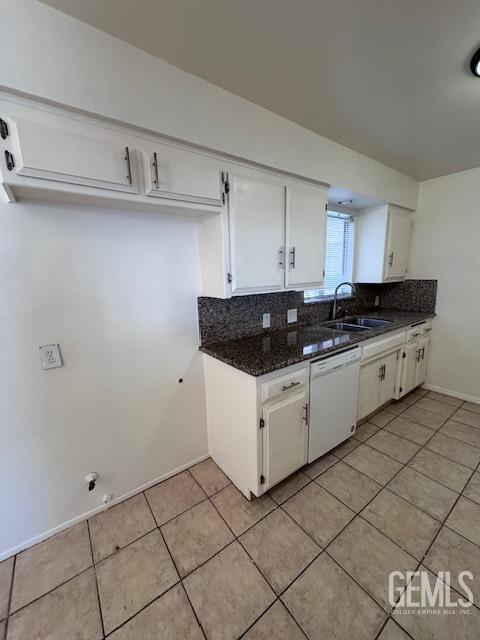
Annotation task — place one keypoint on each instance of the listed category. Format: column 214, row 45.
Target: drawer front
column 381, row 346
column 283, row 384
column 414, row 332
column 427, row 328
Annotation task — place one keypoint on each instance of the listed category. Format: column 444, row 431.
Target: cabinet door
column 285, row 437
column 389, row 377
column 422, row 360
column 409, row 366
column 306, row 223
column 398, row 241
column 256, row 222
column 179, row 175
column 370, row 388
column 73, row 152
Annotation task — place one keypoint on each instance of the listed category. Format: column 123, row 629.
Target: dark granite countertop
column 267, row 352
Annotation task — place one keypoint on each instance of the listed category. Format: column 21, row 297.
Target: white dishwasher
column 333, row 401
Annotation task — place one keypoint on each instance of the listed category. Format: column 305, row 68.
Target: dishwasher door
column 333, row 402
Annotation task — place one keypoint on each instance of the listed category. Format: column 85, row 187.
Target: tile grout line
column 10, row 595
column 96, row 580
column 175, row 566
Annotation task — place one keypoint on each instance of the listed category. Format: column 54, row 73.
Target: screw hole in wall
column 180, row 380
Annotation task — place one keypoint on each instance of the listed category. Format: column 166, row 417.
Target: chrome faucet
column 342, row 284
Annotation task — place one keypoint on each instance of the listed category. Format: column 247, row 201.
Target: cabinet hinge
column 229, row 278
column 262, row 479
column 3, row 129
column 9, row 160
column 226, row 184
column 262, row 423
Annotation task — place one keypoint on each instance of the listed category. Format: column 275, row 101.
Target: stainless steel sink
column 346, row 326
column 370, row 323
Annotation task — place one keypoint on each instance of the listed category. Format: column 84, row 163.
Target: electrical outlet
column 377, row 301
column 291, row 315
column 50, row 355
column 266, row 320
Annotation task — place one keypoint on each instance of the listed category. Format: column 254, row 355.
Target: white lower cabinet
column 415, row 362
column 422, row 360
column 285, row 437
column 391, row 375
column 257, row 427
column 377, row 383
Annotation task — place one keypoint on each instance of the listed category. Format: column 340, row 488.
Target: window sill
column 328, row 298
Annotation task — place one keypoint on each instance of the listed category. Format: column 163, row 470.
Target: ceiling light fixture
column 475, row 64
column 347, row 201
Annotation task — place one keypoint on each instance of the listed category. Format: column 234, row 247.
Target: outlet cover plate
column 50, row 355
column 291, row 315
column 266, row 320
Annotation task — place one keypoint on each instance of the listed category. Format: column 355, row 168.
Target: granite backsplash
column 241, row 316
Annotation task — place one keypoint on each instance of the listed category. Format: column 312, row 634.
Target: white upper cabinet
column 306, row 219
column 398, row 242
column 382, row 241
column 181, row 175
column 256, row 225
column 51, row 155
column 73, row 152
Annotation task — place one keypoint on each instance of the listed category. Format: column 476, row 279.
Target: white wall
column 446, row 246
column 48, row 54
column 118, row 291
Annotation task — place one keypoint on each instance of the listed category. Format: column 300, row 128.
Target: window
column 338, row 255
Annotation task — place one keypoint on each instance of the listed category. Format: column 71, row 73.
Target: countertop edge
column 292, row 361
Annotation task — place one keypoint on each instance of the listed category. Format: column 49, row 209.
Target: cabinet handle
column 384, row 371
column 286, row 387
column 129, row 168
column 390, row 260
column 417, row 355
column 427, row 329
column 380, row 373
column 281, row 252
column 423, row 353
column 414, row 335
column 292, row 258
column 305, row 415
column 155, row 169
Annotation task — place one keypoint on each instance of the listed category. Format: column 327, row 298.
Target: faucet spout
column 342, row 284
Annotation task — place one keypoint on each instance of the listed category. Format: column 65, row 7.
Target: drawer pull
column 286, row 387
column 427, row 329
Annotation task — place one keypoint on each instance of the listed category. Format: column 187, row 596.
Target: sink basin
column 370, row 323
column 346, row 326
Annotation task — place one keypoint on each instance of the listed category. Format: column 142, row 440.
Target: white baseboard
column 88, row 514
column 454, row 394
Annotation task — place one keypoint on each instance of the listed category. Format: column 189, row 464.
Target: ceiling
column 387, row 78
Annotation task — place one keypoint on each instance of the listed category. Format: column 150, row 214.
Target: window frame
column 325, row 297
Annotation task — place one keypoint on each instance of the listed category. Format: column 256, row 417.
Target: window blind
column 338, row 254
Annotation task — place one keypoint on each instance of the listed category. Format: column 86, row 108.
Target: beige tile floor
column 191, row 558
